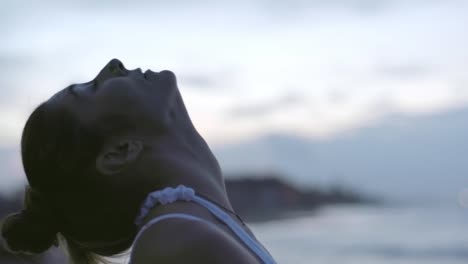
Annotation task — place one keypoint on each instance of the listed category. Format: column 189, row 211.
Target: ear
column 115, row 157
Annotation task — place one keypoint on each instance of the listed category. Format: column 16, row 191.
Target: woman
column 116, row 162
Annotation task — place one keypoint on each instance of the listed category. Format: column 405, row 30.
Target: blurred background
column 344, row 123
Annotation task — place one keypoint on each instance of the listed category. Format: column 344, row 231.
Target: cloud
column 202, row 82
column 9, row 61
column 209, row 80
column 260, row 109
column 11, row 175
column 13, row 72
column 288, row 9
column 404, row 71
column 337, row 96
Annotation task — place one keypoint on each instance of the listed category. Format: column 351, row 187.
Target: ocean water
column 369, row 235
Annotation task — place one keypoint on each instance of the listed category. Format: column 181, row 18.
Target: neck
column 180, row 205
column 169, row 165
column 183, row 160
column 206, row 185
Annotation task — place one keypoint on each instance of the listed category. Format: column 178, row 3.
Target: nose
column 114, row 68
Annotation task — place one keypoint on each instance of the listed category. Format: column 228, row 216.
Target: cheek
column 157, row 106
column 122, row 105
column 117, row 98
column 165, row 101
column 119, row 92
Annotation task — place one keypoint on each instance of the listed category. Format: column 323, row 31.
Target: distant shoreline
column 259, row 199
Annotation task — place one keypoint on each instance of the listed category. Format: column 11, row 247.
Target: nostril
column 121, row 66
column 116, row 67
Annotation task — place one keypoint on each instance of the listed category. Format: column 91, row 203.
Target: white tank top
column 170, row 195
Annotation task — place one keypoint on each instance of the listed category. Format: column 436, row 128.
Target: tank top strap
column 245, row 237
column 170, row 195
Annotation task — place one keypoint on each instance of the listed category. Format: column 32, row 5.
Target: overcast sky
column 245, row 67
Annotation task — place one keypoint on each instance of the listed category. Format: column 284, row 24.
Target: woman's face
column 144, row 98
column 150, row 99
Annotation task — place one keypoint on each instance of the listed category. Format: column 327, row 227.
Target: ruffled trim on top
column 166, row 196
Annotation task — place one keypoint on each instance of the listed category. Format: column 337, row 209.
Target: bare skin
column 182, row 240
column 162, row 149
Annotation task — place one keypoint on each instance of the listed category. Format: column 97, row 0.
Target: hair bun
column 33, row 230
column 26, row 235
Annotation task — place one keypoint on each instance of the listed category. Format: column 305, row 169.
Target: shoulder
column 178, row 240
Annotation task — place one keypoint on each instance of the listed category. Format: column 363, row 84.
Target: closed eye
column 94, row 85
column 71, row 90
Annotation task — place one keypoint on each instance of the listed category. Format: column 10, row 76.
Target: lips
column 146, row 75
column 162, row 76
column 150, row 75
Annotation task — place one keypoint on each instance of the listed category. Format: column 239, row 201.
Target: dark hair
column 58, row 153
column 35, row 219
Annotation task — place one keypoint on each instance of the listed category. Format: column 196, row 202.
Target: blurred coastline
column 259, row 198
column 334, row 225
column 256, row 198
